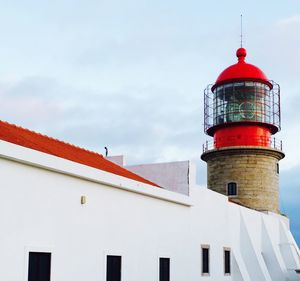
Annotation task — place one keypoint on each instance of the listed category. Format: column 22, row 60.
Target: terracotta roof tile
column 26, row 138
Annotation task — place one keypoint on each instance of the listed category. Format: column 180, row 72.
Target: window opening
column 113, row 268
column 232, row 189
column 164, row 269
column 227, row 262
column 39, row 267
column 205, row 260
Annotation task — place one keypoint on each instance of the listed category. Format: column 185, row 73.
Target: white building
column 71, row 214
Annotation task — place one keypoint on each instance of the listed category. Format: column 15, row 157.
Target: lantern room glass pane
column 242, row 101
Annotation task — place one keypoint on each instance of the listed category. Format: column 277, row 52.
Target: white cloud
column 290, row 21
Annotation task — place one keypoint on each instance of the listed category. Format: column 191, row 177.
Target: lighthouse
column 242, row 114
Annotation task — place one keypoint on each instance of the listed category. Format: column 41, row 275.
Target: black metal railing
column 272, row 143
column 240, row 102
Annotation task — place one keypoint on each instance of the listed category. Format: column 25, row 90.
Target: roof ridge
column 33, row 140
column 51, row 138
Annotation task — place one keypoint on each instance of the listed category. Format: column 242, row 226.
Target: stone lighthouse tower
column 241, row 113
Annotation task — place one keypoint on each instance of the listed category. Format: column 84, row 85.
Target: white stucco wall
column 41, row 211
column 174, row 176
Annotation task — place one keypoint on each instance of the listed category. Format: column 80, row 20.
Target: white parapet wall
column 173, row 176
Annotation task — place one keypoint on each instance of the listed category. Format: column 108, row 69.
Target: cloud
column 290, row 185
column 148, row 124
column 290, row 197
column 289, row 21
column 25, row 102
column 144, row 123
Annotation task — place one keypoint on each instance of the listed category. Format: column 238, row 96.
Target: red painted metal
column 242, row 135
column 241, row 71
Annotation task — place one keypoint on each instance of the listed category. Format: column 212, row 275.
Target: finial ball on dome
column 241, row 53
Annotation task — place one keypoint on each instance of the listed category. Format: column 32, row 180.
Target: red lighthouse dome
column 242, row 108
column 242, row 71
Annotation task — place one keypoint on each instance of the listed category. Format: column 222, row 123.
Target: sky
column 130, row 74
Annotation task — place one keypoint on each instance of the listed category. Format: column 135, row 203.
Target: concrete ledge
column 234, row 150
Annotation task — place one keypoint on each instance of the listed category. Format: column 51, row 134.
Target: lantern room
column 242, row 107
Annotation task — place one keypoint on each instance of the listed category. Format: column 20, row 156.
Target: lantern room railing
column 271, row 143
column 242, row 102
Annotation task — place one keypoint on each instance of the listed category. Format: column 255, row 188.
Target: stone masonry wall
column 253, row 169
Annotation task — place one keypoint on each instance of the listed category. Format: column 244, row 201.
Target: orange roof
column 26, row 138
